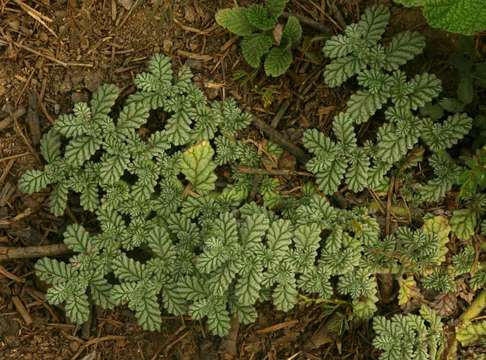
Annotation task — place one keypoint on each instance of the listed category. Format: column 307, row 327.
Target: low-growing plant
column 358, row 52
column 177, row 227
column 464, row 16
column 263, row 37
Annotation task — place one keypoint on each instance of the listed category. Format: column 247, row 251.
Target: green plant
column 465, row 16
column 262, row 35
column 407, row 337
column 357, row 52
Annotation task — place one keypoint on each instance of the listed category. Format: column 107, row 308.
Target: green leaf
column 362, row 105
column 33, row 181
column 463, row 223
column 465, row 89
column 259, row 17
column 460, row 16
column 58, row 199
column 50, row 145
column 235, row 21
column 81, row 149
column 148, row 313
column 113, row 167
column 357, row 174
column 285, row 295
column 403, row 48
column 103, row 100
column 277, row 61
column 77, row 308
column 292, row 32
column 276, row 7
column 53, row 271
column 128, row 269
column 254, row 47
column 373, row 23
column 77, row 238
column 132, row 116
column 341, row 69
column 197, row 165
column 253, row 230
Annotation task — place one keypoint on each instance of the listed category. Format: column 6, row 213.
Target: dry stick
column 19, row 305
column 476, row 308
column 273, row 172
column 280, row 114
column 9, row 253
column 5, row 123
column 309, row 22
column 52, row 58
column 96, row 341
column 387, row 279
column 281, row 140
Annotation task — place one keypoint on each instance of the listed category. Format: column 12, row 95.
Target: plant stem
column 29, row 252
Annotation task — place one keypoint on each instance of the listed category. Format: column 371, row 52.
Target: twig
column 281, row 140
column 9, row 275
column 277, row 327
column 280, row 114
column 9, row 253
column 471, row 312
column 190, row 55
column 96, row 341
column 42, row 19
column 5, row 123
column 19, row 305
column 52, row 58
column 273, row 172
column 310, row 23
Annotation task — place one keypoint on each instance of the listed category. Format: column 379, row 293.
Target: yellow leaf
column 439, row 225
column 408, row 291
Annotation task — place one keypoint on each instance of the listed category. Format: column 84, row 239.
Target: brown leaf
column 445, row 304
column 277, row 33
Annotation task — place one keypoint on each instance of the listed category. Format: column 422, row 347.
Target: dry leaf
column 277, row 33
column 409, row 294
column 445, row 304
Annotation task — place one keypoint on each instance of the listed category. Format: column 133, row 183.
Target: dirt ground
column 54, row 53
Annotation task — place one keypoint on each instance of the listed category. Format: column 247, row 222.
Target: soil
column 54, row 53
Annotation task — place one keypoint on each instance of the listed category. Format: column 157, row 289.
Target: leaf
column 341, row 69
column 50, row 145
column 292, row 32
column 33, row 181
column 276, row 7
column 259, row 17
column 461, row 16
column 103, row 99
column 254, row 47
column 463, row 223
column 468, row 332
column 58, row 199
column 53, row 271
column 408, row 291
column 197, row 165
column 128, row 269
column 148, row 313
column 357, row 174
column 235, row 21
column 81, row 149
column 373, row 23
column 113, row 167
column 285, row 295
column 465, row 89
column 425, row 88
column 277, row 61
column 403, row 48
column 362, row 105
column 439, row 226
column 77, row 308
column 132, row 116
column 77, row 238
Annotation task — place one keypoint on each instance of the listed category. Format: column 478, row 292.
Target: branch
column 281, row 140
column 8, row 253
column 310, row 23
column 274, row 172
